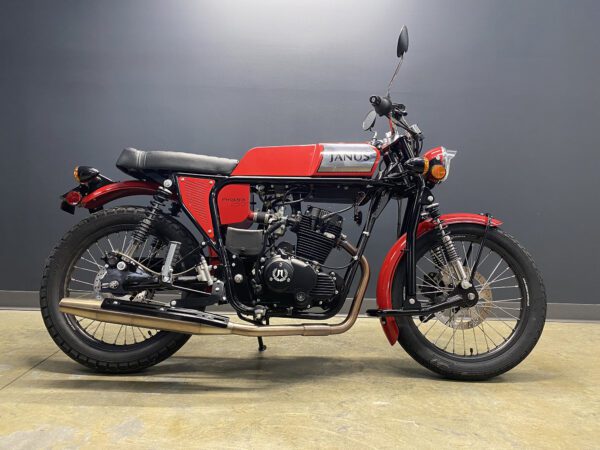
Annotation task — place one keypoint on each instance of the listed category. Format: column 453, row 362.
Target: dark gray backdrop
column 513, row 85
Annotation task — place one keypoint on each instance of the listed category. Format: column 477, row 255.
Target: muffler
column 206, row 323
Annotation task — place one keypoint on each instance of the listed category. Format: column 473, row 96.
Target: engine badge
column 347, row 158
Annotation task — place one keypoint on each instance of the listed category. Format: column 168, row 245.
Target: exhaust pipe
column 92, row 309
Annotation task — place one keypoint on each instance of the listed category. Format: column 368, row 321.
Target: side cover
column 233, row 202
column 319, row 160
column 395, row 255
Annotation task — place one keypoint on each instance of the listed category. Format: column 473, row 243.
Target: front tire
column 72, row 335
column 508, row 329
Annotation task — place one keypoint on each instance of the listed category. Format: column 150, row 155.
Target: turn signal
column 83, row 174
column 438, row 172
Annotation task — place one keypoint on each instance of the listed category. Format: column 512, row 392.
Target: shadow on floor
column 201, row 374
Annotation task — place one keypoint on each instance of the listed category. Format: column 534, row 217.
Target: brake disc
column 466, row 318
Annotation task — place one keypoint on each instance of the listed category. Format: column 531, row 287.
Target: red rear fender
column 395, row 255
column 114, row 191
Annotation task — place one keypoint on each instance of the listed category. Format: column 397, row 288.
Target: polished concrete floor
column 347, row 391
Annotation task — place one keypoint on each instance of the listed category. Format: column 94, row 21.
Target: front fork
column 423, row 200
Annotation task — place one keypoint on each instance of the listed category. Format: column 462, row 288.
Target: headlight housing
column 439, row 163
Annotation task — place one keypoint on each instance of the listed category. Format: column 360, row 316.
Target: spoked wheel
column 76, row 269
column 489, row 338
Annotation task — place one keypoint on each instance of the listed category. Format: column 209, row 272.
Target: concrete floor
column 347, row 391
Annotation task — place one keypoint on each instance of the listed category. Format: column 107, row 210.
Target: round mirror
column 369, row 120
column 402, row 42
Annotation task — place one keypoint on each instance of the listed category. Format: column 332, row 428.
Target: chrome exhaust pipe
column 92, row 309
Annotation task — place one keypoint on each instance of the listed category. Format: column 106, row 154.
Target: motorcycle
column 127, row 286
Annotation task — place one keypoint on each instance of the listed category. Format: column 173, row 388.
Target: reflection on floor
column 347, row 391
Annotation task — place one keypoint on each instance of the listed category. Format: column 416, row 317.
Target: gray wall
column 512, row 84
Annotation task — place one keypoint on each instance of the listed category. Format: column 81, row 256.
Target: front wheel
column 489, row 338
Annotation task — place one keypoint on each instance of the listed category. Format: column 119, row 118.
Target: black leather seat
column 133, row 161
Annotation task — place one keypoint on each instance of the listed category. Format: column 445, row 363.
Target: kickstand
column 261, row 345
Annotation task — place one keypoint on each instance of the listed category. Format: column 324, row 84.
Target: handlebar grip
column 375, row 100
column 381, row 105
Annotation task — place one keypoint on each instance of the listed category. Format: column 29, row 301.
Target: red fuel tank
column 318, row 160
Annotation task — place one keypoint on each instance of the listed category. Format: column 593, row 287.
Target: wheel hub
column 469, row 317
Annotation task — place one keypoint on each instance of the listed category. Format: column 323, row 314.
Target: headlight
column 439, row 163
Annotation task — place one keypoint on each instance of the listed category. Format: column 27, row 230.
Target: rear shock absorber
column 448, row 246
column 140, row 234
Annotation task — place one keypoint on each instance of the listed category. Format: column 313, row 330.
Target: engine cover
column 291, row 282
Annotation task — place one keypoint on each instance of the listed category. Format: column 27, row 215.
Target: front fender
column 395, row 255
column 114, row 191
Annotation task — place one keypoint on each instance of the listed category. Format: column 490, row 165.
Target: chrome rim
column 484, row 328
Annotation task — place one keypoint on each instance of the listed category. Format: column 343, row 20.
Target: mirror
column 369, row 121
column 402, row 42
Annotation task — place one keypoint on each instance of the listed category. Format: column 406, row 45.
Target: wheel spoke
column 84, row 273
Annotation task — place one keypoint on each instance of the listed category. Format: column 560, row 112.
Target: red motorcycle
column 128, row 285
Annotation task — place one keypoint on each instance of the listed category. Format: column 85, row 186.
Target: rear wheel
column 489, row 338
column 75, row 269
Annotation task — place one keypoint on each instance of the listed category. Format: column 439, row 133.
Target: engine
column 293, row 276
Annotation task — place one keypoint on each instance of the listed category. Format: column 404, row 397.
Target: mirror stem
column 394, row 76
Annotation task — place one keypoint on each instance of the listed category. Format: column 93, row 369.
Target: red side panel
column 284, row 161
column 117, row 190
column 394, row 256
column 195, row 195
column 234, row 203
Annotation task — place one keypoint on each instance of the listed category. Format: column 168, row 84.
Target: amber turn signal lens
column 426, row 168
column 438, row 172
column 76, row 173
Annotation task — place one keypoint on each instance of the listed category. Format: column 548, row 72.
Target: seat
column 133, row 161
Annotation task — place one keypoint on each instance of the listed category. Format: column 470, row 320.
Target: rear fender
column 395, row 255
column 114, row 191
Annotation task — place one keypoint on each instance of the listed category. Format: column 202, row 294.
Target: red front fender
column 394, row 256
column 117, row 190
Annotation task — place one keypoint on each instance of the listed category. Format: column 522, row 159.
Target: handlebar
column 381, row 105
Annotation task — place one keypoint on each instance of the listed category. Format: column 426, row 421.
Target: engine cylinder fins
column 317, row 232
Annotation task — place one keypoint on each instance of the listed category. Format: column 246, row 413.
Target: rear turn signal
column 83, row 174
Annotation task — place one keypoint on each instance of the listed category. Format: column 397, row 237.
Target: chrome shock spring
column 140, row 234
column 438, row 257
column 448, row 245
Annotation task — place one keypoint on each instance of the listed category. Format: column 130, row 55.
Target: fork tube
column 411, row 238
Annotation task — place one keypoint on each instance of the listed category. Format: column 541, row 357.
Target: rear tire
column 71, row 339
column 517, row 346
